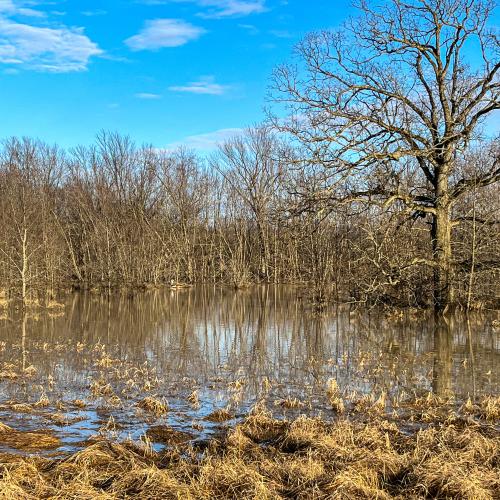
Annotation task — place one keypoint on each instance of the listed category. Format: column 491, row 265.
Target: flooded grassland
column 211, row 393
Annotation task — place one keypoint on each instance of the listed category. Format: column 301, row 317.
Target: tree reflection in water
column 208, row 334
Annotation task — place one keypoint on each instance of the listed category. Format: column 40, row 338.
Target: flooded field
column 182, row 365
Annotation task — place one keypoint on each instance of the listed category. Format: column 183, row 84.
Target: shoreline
column 446, row 453
column 53, row 300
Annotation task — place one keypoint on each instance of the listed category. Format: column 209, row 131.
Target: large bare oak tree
column 385, row 106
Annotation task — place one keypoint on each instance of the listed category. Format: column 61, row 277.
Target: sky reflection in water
column 233, row 348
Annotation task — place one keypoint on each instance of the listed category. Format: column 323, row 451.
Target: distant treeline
column 117, row 215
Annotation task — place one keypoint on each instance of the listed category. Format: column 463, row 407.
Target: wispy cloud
column 231, row 8
column 250, row 28
column 221, row 8
column 94, row 13
column 281, row 33
column 10, row 8
column 205, row 85
column 54, row 49
column 161, row 33
column 7, row 6
column 147, row 96
column 206, row 142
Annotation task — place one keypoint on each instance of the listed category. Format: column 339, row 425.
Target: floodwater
column 82, row 371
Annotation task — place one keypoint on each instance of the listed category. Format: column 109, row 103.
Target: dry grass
column 194, row 400
column 334, row 396
column 221, row 415
column 167, row 435
column 100, row 388
column 7, row 371
column 54, row 305
column 266, row 458
column 490, row 408
column 21, row 408
column 27, row 441
column 152, row 405
column 289, row 403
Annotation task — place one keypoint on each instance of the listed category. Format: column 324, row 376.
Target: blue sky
column 163, row 71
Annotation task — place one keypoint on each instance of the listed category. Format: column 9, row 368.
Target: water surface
column 232, row 349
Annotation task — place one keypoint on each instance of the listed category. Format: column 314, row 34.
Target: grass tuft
column 156, row 406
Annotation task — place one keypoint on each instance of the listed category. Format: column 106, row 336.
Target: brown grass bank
column 265, row 458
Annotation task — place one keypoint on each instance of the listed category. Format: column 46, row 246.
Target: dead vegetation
column 220, row 415
column 167, row 435
column 289, row 403
column 266, row 458
column 156, row 406
column 27, row 441
column 334, row 396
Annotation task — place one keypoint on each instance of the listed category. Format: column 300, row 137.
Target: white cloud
column 221, row 8
column 231, row 8
column 206, row 142
column 58, row 49
column 252, row 30
column 147, row 96
column 281, row 33
column 93, row 13
column 9, row 7
column 30, row 12
column 205, row 85
column 42, row 48
column 160, row 33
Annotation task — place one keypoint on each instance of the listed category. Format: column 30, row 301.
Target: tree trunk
column 441, row 247
column 260, row 219
column 24, row 267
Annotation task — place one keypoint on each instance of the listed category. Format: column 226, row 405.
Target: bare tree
column 251, row 166
column 384, row 107
column 185, row 187
column 30, row 173
column 113, row 215
column 477, row 234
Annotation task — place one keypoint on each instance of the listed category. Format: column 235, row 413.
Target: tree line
column 373, row 179
column 117, row 215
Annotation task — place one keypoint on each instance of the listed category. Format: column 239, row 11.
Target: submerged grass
column 266, row 458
